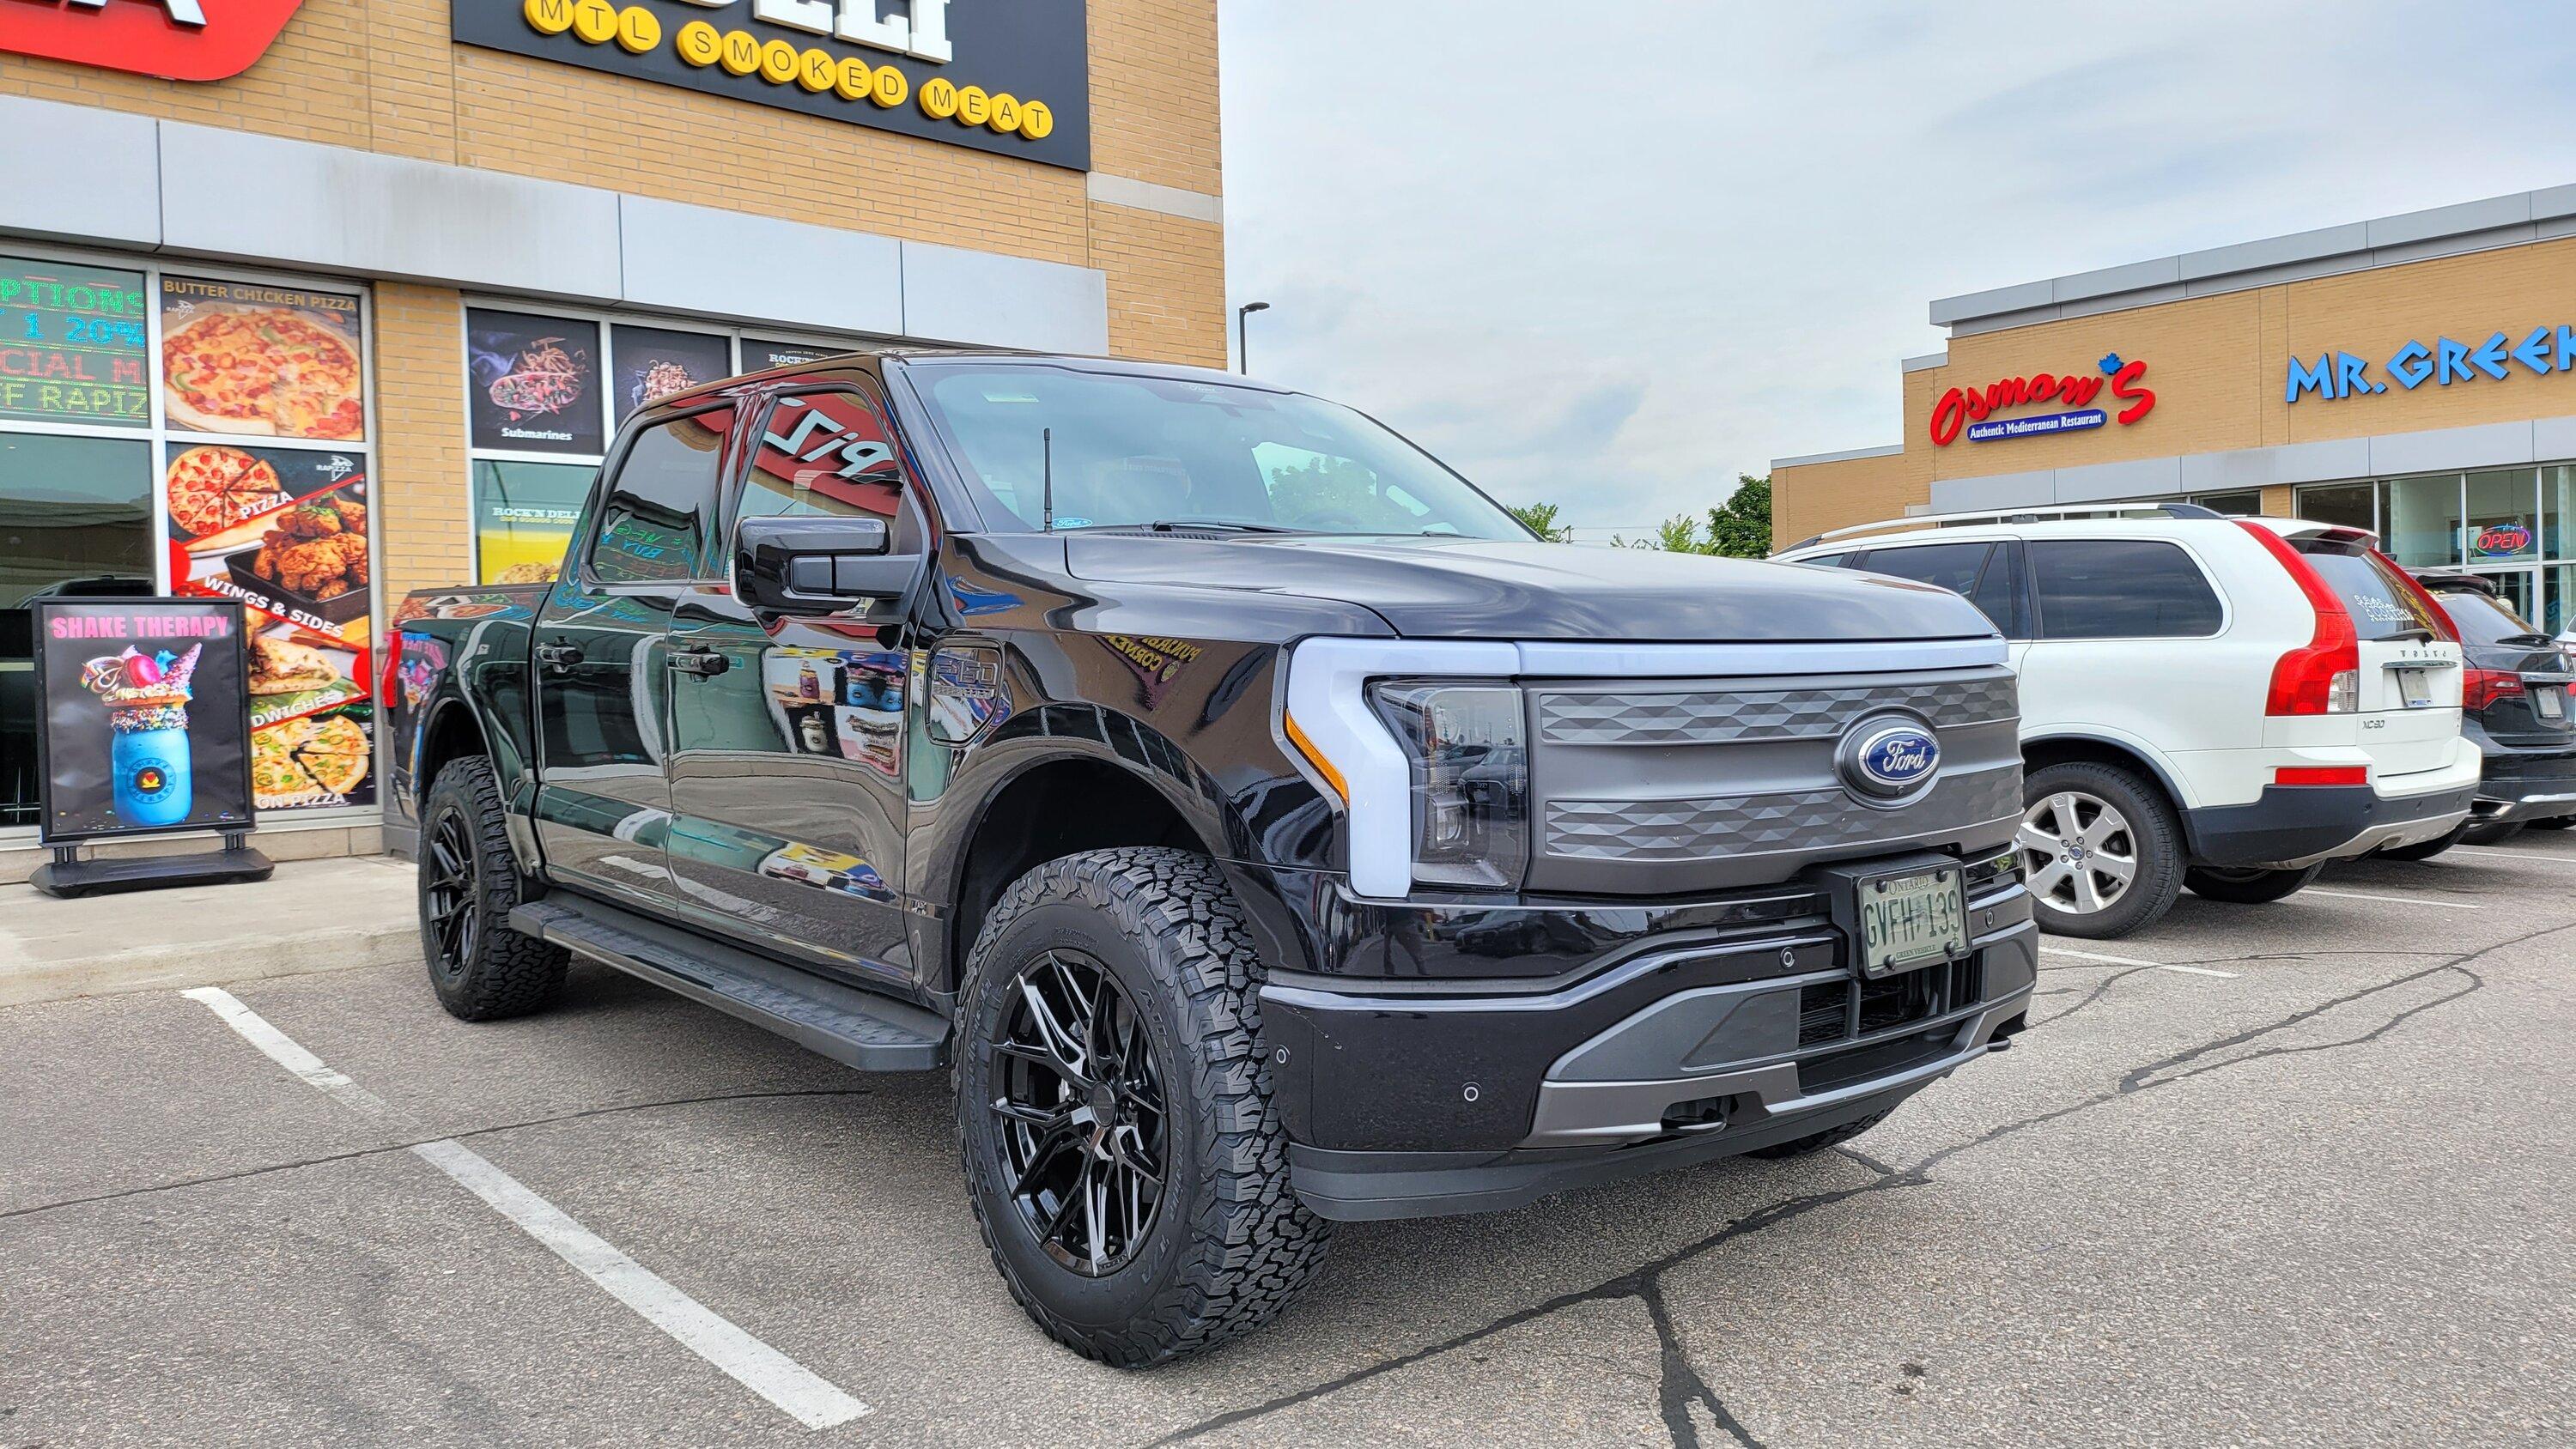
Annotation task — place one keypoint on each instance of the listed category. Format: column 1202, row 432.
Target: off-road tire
column 2496, row 834
column 1231, row 1244
column 1819, row 1141
column 2155, row 830
column 503, row 973
column 2422, row 849
column 2249, row 887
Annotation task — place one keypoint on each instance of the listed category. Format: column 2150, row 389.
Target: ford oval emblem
column 1888, row 759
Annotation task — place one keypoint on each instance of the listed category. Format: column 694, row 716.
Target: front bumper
column 1413, row 1100
column 2292, row 826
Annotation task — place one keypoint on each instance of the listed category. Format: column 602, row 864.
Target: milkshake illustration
column 147, row 711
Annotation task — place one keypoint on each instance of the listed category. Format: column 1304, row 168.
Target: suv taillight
column 2322, row 676
column 2482, row 687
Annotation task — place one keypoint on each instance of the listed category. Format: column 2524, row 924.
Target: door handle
column 704, row 663
column 558, row 656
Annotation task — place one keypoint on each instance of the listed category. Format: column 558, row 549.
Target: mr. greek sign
column 2541, row 351
column 173, row 39
column 1008, row 76
column 1972, row 409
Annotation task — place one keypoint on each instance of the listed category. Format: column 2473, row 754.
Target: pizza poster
column 533, row 382
column 248, row 358
column 655, row 362
column 283, row 532
column 140, row 716
column 74, row 344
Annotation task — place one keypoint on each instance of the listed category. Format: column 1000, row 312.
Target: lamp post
column 1242, row 352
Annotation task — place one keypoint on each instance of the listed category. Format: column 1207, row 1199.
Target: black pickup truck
column 1257, row 823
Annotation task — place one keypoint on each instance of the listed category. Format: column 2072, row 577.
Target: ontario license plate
column 2416, row 687
column 1911, row 920
column 2550, row 701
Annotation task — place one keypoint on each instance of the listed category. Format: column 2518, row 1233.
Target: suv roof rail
column 2019, row 515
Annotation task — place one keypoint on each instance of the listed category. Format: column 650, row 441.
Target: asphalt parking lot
column 2285, row 1174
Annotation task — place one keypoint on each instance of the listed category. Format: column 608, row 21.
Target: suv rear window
column 2119, row 588
column 2485, row 619
column 2383, row 602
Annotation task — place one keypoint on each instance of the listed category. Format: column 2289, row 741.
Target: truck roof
column 908, row 353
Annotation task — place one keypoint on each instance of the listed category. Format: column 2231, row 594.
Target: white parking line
column 2134, row 961
column 2531, row 857
column 2392, row 900
column 804, row 1395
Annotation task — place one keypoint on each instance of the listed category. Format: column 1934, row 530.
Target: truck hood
column 1452, row 588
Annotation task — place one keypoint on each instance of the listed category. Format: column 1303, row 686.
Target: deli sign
column 1974, row 410
column 189, row 40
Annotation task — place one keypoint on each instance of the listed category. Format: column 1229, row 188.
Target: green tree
column 1738, row 528
column 1540, row 518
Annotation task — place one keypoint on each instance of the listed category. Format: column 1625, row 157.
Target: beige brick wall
column 421, row 521
column 2218, row 367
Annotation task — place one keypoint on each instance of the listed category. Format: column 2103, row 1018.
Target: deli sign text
column 1012, row 77
column 189, row 40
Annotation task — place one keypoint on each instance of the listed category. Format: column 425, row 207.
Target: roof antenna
column 1046, row 445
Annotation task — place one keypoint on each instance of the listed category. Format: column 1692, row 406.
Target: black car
column 2514, row 703
column 1257, row 823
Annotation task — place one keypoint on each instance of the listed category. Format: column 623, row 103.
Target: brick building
column 2414, row 375
column 419, row 256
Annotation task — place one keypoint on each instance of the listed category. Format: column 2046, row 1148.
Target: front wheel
column 2248, row 887
column 2100, row 849
column 1114, row 1110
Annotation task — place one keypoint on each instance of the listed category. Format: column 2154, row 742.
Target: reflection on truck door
column 787, row 759
column 602, row 689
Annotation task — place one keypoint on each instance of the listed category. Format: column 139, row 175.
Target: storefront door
column 2519, row 588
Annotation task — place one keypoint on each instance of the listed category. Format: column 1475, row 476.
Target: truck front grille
column 1715, row 717
column 1749, row 824
column 1832, row 1011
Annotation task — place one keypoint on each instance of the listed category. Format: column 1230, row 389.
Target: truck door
column 789, row 734
column 602, row 689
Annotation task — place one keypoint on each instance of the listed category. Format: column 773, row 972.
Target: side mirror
column 817, row 565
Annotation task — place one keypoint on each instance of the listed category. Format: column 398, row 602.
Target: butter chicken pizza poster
column 284, row 531
column 248, row 358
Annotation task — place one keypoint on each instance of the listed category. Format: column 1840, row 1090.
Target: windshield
column 2483, row 619
column 1132, row 451
column 2382, row 601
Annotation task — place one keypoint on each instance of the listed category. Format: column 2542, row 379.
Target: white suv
column 2218, row 703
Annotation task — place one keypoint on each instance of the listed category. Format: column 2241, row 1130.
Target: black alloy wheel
column 1079, row 1113
column 449, row 892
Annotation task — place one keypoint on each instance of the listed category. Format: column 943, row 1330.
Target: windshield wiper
column 1167, row 525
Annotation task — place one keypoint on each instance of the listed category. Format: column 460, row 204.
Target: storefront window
column 2557, row 501
column 2424, row 520
column 655, row 362
column 2554, row 616
column 2503, row 517
column 523, row 517
column 2245, row 504
column 2347, row 505
column 75, row 516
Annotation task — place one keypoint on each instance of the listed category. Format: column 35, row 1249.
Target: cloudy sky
column 1611, row 253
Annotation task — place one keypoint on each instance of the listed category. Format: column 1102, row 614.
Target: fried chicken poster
column 285, row 532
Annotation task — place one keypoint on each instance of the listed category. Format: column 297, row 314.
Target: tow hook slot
column 1700, row 1114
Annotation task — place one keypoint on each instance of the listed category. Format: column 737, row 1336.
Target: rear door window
column 2120, row 588
column 661, row 505
column 2383, row 602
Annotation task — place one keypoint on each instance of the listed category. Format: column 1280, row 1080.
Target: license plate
column 2416, row 686
column 2552, row 702
column 1911, row 920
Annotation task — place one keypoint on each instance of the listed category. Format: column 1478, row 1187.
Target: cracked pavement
column 2323, row 1200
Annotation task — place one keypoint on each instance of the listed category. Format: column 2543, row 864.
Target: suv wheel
column 2099, row 849
column 2249, row 887
column 1114, row 1115
column 480, row 968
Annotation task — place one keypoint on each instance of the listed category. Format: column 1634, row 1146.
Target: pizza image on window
column 211, row 489
column 315, row 760
column 269, row 371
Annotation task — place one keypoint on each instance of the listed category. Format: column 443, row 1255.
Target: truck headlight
column 1469, row 749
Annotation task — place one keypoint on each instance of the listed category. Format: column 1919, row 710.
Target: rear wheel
column 480, row 968
column 1114, row 1115
column 2248, row 887
column 2423, row 849
column 2099, row 848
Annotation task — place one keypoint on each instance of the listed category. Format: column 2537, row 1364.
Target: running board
column 856, row 1028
